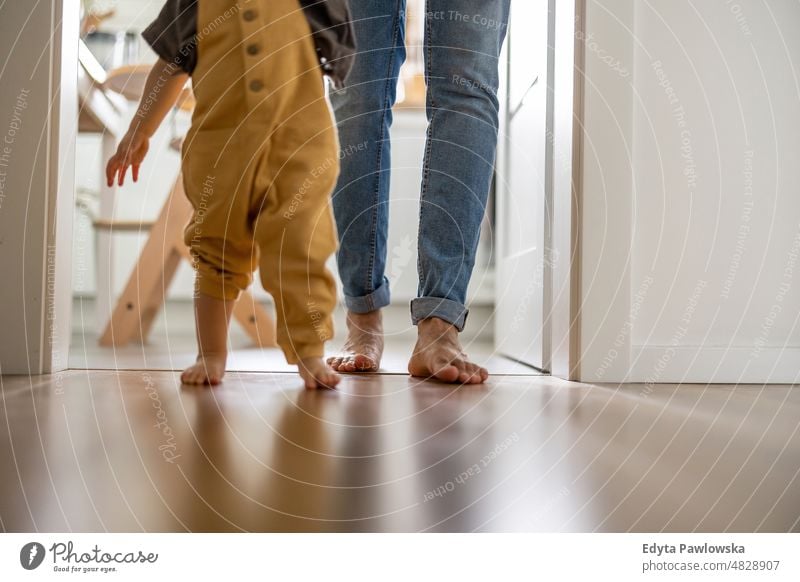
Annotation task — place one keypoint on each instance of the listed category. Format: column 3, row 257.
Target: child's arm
column 161, row 91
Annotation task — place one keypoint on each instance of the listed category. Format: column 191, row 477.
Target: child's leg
column 295, row 233
column 293, row 223
column 212, row 317
column 220, row 242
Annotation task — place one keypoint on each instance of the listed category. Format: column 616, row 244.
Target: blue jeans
column 463, row 39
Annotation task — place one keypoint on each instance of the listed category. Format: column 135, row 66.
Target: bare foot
column 364, row 346
column 211, row 321
column 438, row 355
column 316, row 374
column 206, row 370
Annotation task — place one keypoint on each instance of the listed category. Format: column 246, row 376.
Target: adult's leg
column 463, row 40
column 363, row 111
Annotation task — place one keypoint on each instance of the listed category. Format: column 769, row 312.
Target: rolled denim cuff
column 452, row 312
column 376, row 300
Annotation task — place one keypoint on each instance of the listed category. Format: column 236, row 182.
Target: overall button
column 252, row 49
column 256, row 85
column 249, row 15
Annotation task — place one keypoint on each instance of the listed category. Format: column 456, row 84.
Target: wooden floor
column 135, row 451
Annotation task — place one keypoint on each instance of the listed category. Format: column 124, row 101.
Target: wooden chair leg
column 254, row 319
column 143, row 294
column 153, row 305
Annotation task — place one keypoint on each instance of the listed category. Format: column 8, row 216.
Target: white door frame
column 38, row 127
column 563, row 269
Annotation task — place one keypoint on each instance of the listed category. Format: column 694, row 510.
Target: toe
column 470, row 373
column 325, row 379
column 473, row 371
column 447, row 374
column 189, row 377
column 363, row 363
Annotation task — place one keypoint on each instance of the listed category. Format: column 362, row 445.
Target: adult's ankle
column 369, row 315
column 436, row 325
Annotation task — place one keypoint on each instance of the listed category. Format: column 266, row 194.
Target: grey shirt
column 172, row 35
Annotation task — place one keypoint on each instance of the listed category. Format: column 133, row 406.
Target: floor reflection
column 134, row 451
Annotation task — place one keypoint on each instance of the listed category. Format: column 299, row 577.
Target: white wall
column 691, row 223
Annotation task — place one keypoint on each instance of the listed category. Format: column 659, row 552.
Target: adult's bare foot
column 208, row 369
column 363, row 349
column 316, row 374
column 438, row 354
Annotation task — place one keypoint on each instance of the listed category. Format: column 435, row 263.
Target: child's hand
column 130, row 152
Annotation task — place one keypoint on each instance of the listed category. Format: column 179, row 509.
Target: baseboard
column 718, row 365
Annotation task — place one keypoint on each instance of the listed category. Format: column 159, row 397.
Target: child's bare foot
column 364, row 346
column 316, row 374
column 206, row 370
column 211, row 319
column 438, row 355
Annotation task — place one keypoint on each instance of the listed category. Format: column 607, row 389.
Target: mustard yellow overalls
column 259, row 164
